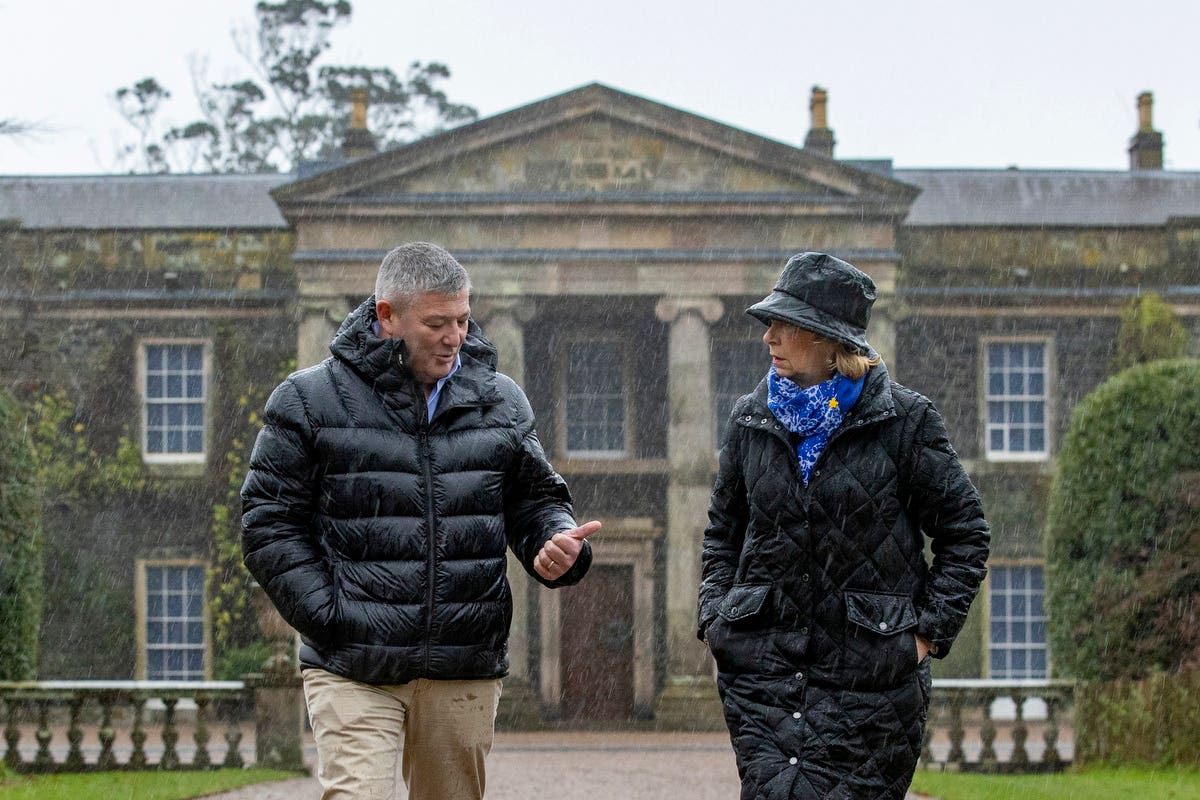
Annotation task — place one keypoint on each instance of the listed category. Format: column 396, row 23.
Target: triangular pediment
column 593, row 141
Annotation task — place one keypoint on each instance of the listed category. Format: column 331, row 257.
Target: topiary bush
column 1123, row 527
column 20, row 547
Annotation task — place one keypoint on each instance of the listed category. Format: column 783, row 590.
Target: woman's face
column 799, row 355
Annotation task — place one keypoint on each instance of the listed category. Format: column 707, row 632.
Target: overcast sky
column 928, row 83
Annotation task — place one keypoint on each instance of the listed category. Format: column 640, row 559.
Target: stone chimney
column 820, row 137
column 358, row 142
column 1146, row 146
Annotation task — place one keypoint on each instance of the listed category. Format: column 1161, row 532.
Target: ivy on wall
column 21, row 588
column 237, row 642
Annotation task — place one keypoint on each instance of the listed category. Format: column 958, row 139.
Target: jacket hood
column 384, row 362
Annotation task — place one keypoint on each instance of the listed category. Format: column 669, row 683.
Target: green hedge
column 1123, row 539
column 1152, row 721
column 20, row 547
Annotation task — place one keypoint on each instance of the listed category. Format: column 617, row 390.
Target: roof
column 1050, row 197
column 594, row 100
column 114, row 202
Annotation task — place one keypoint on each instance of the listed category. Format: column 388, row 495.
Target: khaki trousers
column 445, row 727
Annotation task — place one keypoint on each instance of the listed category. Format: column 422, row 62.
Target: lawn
column 132, row 785
column 1097, row 784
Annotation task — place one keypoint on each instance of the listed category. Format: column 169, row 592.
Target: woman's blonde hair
column 852, row 364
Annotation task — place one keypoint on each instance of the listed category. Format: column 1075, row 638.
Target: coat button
column 804, row 577
column 747, row 418
column 764, row 422
column 804, row 631
column 793, row 760
column 795, row 715
column 734, row 611
column 816, row 473
column 799, row 676
column 883, row 626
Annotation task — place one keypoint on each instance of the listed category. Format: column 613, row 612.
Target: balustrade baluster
column 1051, row 758
column 230, row 710
column 170, row 759
column 201, row 760
column 233, row 740
column 1020, row 756
column 43, row 761
column 955, row 756
column 987, row 732
column 137, row 759
column 74, row 735
column 12, row 735
column 106, row 761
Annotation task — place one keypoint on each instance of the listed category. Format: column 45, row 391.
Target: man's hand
column 558, row 555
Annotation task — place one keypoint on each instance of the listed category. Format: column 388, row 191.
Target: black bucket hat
column 822, row 294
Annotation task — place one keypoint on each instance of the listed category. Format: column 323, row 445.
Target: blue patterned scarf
column 813, row 413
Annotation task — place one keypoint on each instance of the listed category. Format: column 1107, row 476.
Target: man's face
column 434, row 328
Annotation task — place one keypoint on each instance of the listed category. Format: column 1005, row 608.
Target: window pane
column 996, row 383
column 154, row 386
column 195, row 633
column 1037, row 441
column 174, row 414
column 1016, row 604
column 1037, row 412
column 999, row 667
column 1019, row 662
column 155, row 633
column 174, row 358
column 155, row 665
column 1016, row 383
column 1016, row 355
column 195, row 357
column 999, row 632
column 1036, row 354
column 1016, row 441
column 195, row 664
column 997, row 440
column 1037, row 384
column 174, row 662
column 1036, row 578
column 195, row 385
column 1037, row 663
column 996, row 413
column 195, row 441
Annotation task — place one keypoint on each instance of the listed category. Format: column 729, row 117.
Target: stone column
column 503, row 320
column 317, row 322
column 689, row 699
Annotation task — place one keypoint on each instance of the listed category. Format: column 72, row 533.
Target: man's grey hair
column 415, row 268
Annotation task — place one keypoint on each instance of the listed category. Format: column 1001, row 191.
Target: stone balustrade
column 81, row 726
column 1000, row 726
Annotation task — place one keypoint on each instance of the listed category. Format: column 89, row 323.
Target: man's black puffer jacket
column 811, row 595
column 381, row 535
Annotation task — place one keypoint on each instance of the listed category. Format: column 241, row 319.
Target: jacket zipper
column 430, row 532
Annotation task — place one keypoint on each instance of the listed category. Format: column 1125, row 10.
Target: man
column 382, row 492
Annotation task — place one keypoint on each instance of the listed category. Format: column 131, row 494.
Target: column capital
column 521, row 309
column 670, row 309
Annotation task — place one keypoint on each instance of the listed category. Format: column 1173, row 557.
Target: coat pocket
column 739, row 635
column 744, row 602
column 881, row 645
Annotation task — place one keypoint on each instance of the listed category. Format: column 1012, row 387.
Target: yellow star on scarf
column 833, row 403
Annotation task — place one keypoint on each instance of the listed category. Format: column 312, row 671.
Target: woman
column 815, row 599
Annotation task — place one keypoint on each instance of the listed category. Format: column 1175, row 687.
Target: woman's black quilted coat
column 381, row 535
column 811, row 596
